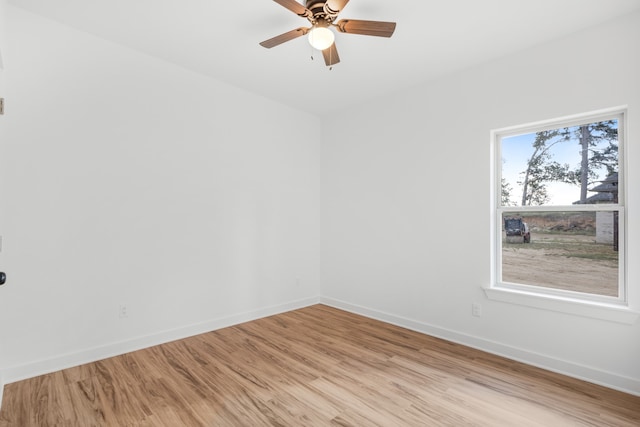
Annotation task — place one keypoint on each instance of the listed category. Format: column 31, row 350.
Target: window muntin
column 573, row 245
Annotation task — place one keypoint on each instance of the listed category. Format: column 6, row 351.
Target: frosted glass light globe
column 321, row 37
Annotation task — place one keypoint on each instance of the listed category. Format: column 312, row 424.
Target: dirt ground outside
column 566, row 261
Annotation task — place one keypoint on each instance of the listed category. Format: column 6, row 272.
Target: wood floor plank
column 316, row 366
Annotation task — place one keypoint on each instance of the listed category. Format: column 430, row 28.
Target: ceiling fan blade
column 290, row 35
column 295, row 7
column 331, row 55
column 367, row 28
column 333, row 7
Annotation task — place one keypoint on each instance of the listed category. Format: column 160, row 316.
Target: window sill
column 609, row 312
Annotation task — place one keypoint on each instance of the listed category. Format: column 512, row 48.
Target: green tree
column 506, row 194
column 599, row 150
column 541, row 168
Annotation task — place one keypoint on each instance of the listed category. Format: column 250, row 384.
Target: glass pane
column 564, row 166
column 573, row 251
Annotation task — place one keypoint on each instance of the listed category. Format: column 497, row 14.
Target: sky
column 516, row 151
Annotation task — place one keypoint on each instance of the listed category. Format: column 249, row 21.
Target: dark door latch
column 3, row 278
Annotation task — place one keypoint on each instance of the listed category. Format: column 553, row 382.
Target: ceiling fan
column 322, row 14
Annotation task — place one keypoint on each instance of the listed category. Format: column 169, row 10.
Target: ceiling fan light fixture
column 321, row 38
column 322, row 15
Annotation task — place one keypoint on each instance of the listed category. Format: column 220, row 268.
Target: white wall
column 3, row 5
column 405, row 202
column 124, row 179
column 2, row 138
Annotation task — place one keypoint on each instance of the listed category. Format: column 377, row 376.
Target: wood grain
column 317, row 366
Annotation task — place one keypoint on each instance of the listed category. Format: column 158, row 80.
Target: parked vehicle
column 517, row 230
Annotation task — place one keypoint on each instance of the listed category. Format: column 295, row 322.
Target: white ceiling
column 220, row 39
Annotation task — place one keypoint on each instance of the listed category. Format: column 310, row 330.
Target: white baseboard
column 33, row 369
column 564, row 367
column 607, row 379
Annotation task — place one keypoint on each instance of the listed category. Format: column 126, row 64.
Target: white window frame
column 615, row 309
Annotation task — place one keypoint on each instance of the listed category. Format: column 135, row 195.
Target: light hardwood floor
column 315, row 366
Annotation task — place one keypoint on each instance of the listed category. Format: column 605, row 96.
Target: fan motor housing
column 317, row 8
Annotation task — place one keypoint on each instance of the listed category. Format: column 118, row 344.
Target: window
column 558, row 210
